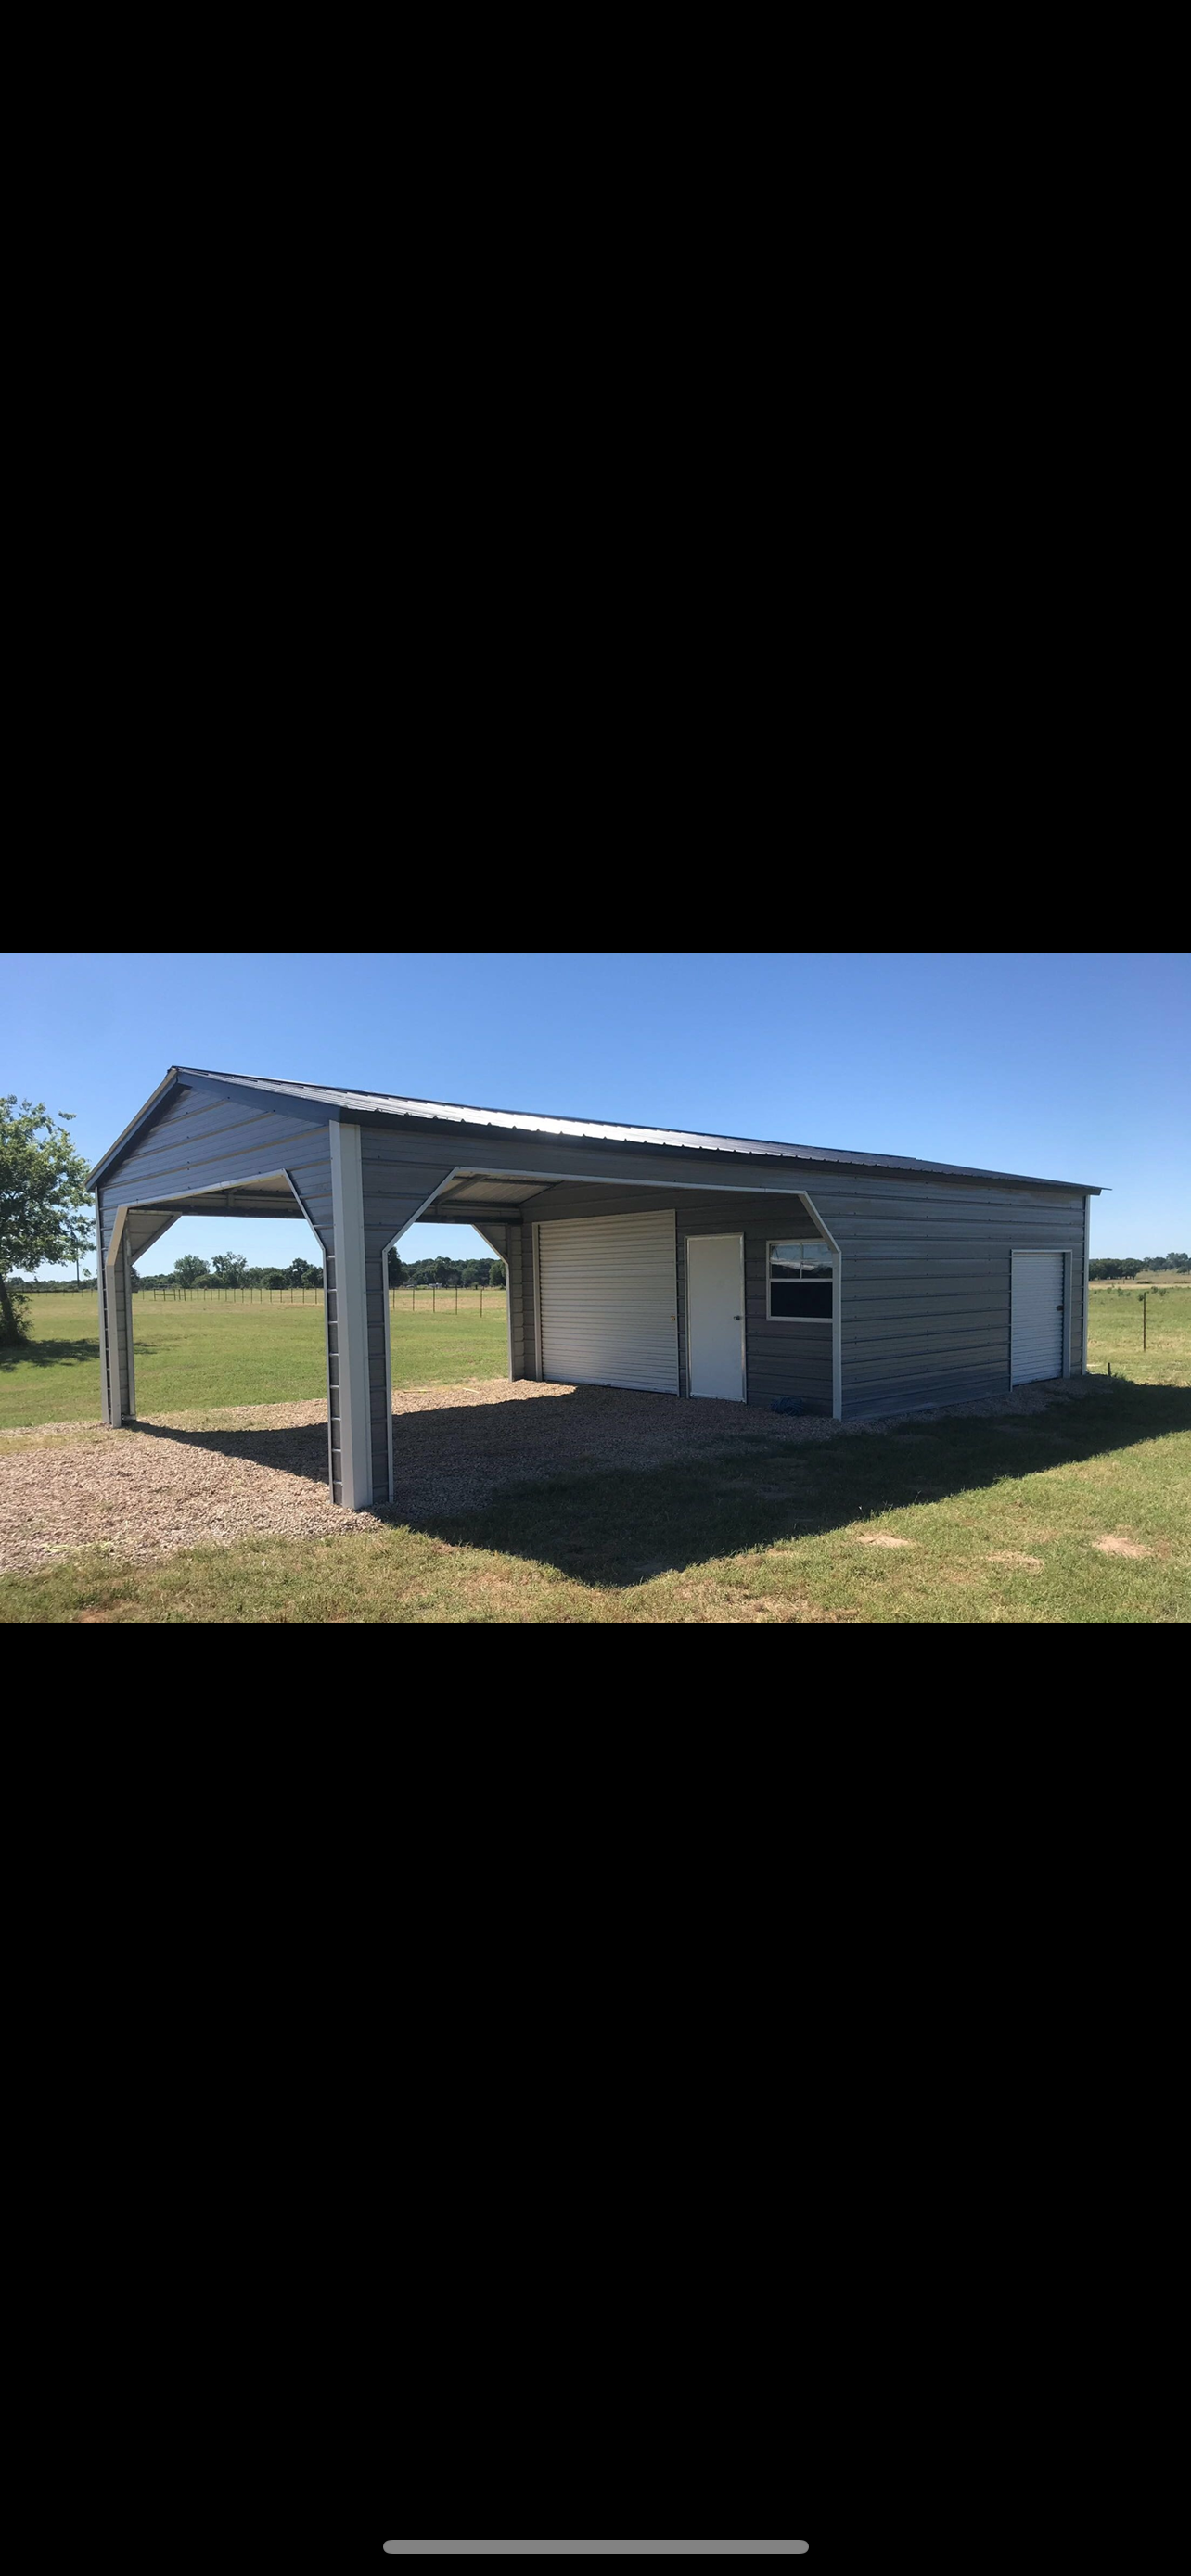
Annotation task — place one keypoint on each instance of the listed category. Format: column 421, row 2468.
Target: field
column 1114, row 1329
column 1074, row 1513
column 199, row 1355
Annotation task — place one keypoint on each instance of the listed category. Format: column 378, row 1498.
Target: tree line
column 229, row 1270
column 443, row 1272
column 1128, row 1269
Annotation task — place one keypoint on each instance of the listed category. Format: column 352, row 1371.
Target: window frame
column 825, row 1252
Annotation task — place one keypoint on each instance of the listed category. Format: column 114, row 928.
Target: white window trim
column 800, row 1320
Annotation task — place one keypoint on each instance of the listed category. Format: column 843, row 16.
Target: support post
column 350, row 1417
column 117, row 1375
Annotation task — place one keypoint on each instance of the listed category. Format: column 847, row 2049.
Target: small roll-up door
column 1037, row 1320
column 609, row 1302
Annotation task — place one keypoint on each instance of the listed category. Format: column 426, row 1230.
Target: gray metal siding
column 925, row 1287
column 925, row 1272
column 780, row 1358
column 200, row 1143
column 469, row 1149
column 395, row 1184
column 114, row 1284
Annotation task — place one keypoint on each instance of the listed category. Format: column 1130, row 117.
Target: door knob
column 736, row 1319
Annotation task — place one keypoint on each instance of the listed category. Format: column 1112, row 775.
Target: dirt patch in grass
column 1120, row 1547
column 551, row 1505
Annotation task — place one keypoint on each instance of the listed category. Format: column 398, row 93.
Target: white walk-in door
column 607, row 1287
column 1037, row 1319
column 715, row 1314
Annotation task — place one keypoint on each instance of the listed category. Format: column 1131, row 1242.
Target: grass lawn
column 956, row 1521
column 1114, row 1331
column 979, row 1521
column 191, row 1356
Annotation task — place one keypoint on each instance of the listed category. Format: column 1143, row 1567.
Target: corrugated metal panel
column 202, row 1144
column 533, row 1123
column 925, row 1284
column 1037, row 1316
column 609, row 1297
column 782, row 1358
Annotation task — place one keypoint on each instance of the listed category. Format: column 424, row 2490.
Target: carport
column 688, row 1264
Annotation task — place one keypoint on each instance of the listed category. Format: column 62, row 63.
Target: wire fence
column 446, row 1301
column 428, row 1299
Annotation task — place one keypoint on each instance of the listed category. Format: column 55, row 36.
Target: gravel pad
column 216, row 1478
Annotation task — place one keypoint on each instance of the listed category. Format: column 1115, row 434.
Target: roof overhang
column 311, row 1102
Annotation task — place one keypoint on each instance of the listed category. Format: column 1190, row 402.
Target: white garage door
column 1037, row 1316
column 609, row 1301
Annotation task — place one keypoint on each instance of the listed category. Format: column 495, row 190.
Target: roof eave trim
column 95, row 1176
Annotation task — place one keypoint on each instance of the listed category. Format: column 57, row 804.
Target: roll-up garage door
column 609, row 1302
column 1037, row 1316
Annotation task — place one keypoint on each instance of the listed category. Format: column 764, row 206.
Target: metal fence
column 423, row 1300
column 445, row 1301
column 287, row 1296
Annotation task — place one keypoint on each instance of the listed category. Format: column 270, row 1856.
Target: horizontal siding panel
column 933, row 1331
column 965, row 1389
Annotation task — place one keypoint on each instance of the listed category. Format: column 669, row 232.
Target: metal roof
column 595, row 1130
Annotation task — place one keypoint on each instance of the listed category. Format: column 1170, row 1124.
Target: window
column 801, row 1280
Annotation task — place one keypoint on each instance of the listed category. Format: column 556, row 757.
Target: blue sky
column 1076, row 1067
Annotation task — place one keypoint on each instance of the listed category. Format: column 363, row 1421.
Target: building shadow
column 619, row 1526
column 535, row 1480
column 297, row 1450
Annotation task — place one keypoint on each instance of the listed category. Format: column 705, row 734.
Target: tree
column 229, row 1268
column 190, row 1271
column 397, row 1268
column 44, row 1211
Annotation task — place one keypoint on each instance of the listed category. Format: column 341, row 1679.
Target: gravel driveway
column 212, row 1479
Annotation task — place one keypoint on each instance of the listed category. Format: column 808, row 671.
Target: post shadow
column 614, row 1525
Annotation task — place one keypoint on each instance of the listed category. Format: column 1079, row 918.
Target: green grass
column 189, row 1356
column 1114, row 1332
column 774, row 1533
column 769, row 1533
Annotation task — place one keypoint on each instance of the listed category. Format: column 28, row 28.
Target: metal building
column 637, row 1256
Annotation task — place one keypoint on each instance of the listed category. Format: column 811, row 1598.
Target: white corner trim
column 351, row 1315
